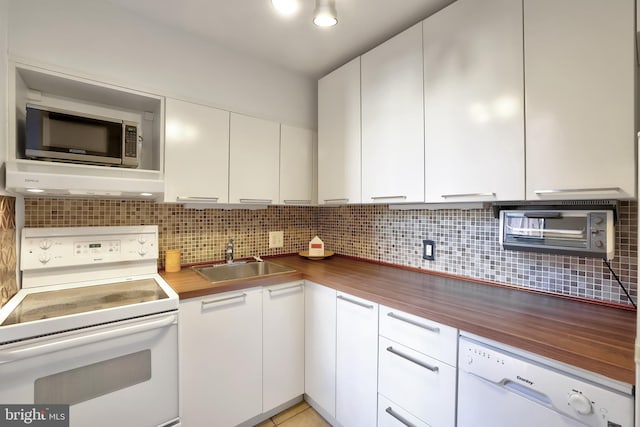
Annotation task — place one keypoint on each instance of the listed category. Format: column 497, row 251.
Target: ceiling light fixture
column 286, row 7
column 325, row 14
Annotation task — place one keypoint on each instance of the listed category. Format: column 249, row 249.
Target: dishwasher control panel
column 547, row 385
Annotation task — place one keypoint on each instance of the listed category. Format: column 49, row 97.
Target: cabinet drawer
column 424, row 386
column 392, row 415
column 431, row 338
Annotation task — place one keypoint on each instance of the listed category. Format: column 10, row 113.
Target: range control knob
column 142, row 239
column 44, row 258
column 142, row 251
column 580, row 403
column 45, row 244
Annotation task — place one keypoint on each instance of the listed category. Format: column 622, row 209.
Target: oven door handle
column 30, row 350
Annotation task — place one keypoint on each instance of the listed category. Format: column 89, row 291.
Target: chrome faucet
column 229, row 252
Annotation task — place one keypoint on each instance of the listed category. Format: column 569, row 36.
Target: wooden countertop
column 593, row 337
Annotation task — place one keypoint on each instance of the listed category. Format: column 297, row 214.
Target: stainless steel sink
column 240, row 270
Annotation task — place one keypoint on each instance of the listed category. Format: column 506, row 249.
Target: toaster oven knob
column 599, row 243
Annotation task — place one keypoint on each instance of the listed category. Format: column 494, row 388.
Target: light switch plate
column 276, row 239
column 429, row 250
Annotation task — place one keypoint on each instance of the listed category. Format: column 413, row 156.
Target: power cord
column 619, row 282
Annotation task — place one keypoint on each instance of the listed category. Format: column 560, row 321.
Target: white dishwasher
column 500, row 386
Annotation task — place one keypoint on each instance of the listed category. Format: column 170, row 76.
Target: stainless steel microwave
column 588, row 233
column 70, row 137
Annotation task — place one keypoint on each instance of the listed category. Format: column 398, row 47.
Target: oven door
column 123, row 373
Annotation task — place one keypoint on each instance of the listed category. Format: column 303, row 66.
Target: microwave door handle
column 543, row 215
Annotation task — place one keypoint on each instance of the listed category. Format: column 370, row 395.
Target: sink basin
column 240, row 270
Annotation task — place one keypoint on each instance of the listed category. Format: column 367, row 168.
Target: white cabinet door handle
column 197, row 199
column 214, row 301
column 361, row 304
column 336, row 201
column 452, row 196
column 579, row 190
column 276, row 291
column 297, row 202
column 414, row 323
column 257, row 201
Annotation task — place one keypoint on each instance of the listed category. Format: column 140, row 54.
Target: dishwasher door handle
column 26, row 351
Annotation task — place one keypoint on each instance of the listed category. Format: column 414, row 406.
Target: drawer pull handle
column 399, row 417
column 412, row 359
column 414, row 323
column 336, row 200
column 213, row 301
column 361, row 304
column 275, row 291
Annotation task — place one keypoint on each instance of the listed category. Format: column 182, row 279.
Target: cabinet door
column 196, row 153
column 356, row 361
column 254, row 160
column 320, row 346
column 339, row 177
column 474, row 106
column 283, row 344
column 221, row 358
column 393, row 120
column 296, row 165
column 580, row 94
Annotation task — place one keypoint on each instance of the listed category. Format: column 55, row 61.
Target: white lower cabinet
column 392, row 415
column 283, row 344
column 221, row 358
column 320, row 347
column 356, row 361
column 417, row 369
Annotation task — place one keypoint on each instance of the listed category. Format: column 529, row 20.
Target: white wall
column 98, row 40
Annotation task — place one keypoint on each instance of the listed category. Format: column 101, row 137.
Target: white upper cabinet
column 339, row 143
column 196, row 153
column 474, row 119
column 580, row 93
column 296, row 165
column 393, row 120
column 254, row 160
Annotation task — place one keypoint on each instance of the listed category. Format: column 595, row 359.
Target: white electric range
column 94, row 326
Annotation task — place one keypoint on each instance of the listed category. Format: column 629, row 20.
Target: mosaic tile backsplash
column 466, row 241
column 467, row 244
column 8, row 282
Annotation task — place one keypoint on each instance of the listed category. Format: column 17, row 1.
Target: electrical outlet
column 276, row 239
column 429, row 250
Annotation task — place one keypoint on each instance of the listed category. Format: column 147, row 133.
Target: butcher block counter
column 590, row 336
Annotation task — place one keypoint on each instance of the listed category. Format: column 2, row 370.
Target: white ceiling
column 253, row 27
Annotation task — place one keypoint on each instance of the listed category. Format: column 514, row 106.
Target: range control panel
column 77, row 246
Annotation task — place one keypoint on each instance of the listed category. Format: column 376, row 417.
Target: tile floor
column 299, row 415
